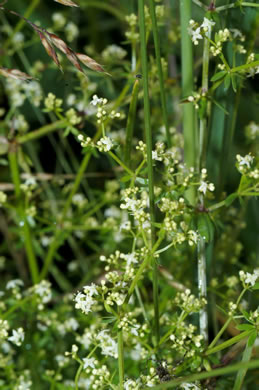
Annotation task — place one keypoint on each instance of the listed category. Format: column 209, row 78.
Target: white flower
column 206, row 25
column 155, row 156
column 105, row 144
column 204, row 186
column 12, row 284
column 245, row 161
column 129, row 384
column 249, row 279
column 84, row 302
column 17, row 337
column 108, row 345
column 195, row 34
column 89, row 362
column 90, row 290
column 43, row 290
column 96, row 100
column 130, row 258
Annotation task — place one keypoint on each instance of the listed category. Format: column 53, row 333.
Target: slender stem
column 78, row 373
column 202, row 284
column 189, row 128
column 115, row 158
column 160, row 70
column 131, row 123
column 120, row 359
column 32, row 261
column 143, row 265
column 148, row 133
column 44, row 130
column 202, row 274
column 224, row 327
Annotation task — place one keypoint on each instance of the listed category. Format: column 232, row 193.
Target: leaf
column 69, row 3
column 245, row 327
column 219, row 75
column 252, row 338
column 234, row 83
column 15, row 74
column 227, row 81
column 90, row 63
column 205, row 227
column 256, row 286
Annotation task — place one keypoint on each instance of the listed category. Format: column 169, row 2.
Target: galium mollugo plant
column 100, row 288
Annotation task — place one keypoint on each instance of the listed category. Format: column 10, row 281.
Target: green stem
column 78, row 373
column 120, row 359
column 32, row 261
column 44, row 130
column 160, row 70
column 202, row 274
column 143, row 265
column 224, row 327
column 115, row 158
column 148, row 133
column 131, row 123
column 189, row 129
column 207, row 374
column 202, row 285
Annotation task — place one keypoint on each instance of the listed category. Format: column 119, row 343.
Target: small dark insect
column 139, row 76
column 162, row 371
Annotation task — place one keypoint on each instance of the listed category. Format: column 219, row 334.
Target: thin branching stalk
column 148, row 133
column 160, row 70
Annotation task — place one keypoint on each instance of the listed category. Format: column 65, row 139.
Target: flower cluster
column 248, row 279
column 185, row 341
column 52, row 103
column 187, row 302
column 85, row 300
column 198, row 32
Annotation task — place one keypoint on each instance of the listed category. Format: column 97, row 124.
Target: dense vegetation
column 128, row 212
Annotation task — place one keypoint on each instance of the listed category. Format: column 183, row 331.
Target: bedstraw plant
column 128, row 195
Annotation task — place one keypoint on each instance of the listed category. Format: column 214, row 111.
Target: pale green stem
column 202, row 277
column 148, row 133
column 120, row 359
column 189, row 127
column 44, row 130
column 115, row 158
column 160, row 70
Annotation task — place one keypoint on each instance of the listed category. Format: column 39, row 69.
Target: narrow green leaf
column 229, row 342
column 227, row 81
column 245, row 327
column 219, row 75
column 256, row 286
column 246, row 357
